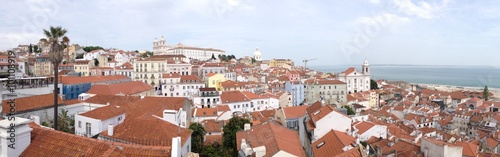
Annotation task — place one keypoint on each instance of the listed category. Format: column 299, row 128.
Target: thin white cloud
column 421, row 9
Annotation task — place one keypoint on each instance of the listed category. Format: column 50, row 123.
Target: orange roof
column 212, row 126
column 295, row 112
column 274, row 137
column 104, row 113
column 126, row 88
column 322, row 112
column 148, row 130
column 323, row 82
column 222, row 108
column 233, row 96
column 332, row 143
column 349, row 70
column 92, row 79
column 191, row 78
column 211, row 74
column 363, row 127
column 174, row 75
column 26, row 104
column 48, row 142
column 468, row 148
column 492, row 143
column 206, row 112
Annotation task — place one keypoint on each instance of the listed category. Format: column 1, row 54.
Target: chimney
column 111, row 128
column 36, row 119
column 260, row 151
column 176, row 147
column 14, row 140
column 247, row 127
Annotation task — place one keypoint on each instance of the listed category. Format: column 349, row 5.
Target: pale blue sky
column 440, row 32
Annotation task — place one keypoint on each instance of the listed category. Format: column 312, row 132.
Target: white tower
column 257, row 55
column 366, row 68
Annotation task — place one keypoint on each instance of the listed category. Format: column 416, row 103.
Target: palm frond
column 47, row 33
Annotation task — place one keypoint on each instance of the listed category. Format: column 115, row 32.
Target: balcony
column 215, row 94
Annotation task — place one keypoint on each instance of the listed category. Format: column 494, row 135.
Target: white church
column 257, row 55
column 357, row 81
column 161, row 48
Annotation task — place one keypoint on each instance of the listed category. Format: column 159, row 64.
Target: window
column 79, row 124
column 88, row 129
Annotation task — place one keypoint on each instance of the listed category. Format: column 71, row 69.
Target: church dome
column 365, row 63
column 257, row 52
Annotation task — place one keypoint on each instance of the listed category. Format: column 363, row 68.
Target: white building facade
column 356, row 81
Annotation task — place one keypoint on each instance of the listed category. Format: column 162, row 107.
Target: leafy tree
column 486, row 93
column 96, row 64
column 349, row 110
column 214, row 149
column 79, row 56
column 55, row 38
column 36, row 49
column 92, row 48
column 109, row 59
column 213, row 56
column 253, row 60
column 373, row 84
column 67, row 123
column 197, row 136
column 229, row 133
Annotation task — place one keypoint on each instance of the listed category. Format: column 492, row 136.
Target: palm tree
column 96, row 64
column 53, row 36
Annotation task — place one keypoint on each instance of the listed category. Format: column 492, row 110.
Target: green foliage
column 213, row 56
column 66, row 123
column 226, row 58
column 96, row 62
column 373, row 84
column 92, row 48
column 229, row 133
column 197, row 136
column 349, row 110
column 253, row 60
column 486, row 93
column 36, row 49
column 214, row 149
column 147, row 54
column 79, row 56
column 109, row 59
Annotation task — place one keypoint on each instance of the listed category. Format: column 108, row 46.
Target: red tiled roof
column 91, row 79
column 31, row 103
column 205, row 112
column 274, row 137
column 332, row 143
column 148, row 130
column 468, row 148
column 233, row 96
column 174, row 75
column 189, row 78
column 104, row 113
column 48, row 142
column 126, row 88
column 212, row 126
column 295, row 112
column 363, row 127
column 222, row 108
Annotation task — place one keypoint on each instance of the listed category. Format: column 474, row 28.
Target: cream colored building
column 150, row 70
column 83, row 67
column 280, row 62
column 43, row 66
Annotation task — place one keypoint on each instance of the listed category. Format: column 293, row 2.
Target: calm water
column 467, row 76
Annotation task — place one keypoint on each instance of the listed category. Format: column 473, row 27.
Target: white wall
column 377, row 131
column 97, row 126
column 186, row 147
column 325, row 124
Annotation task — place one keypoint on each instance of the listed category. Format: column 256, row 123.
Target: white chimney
column 111, row 130
column 247, row 127
column 14, row 140
column 36, row 119
column 260, row 151
column 170, row 116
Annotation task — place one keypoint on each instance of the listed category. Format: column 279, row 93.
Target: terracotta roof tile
column 274, row 137
column 103, row 113
column 233, row 96
column 92, row 79
column 212, row 126
column 148, row 130
column 205, row 112
column 48, row 142
column 31, row 103
column 126, row 88
column 332, row 143
column 295, row 112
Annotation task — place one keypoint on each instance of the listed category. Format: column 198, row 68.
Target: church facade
column 160, row 48
column 357, row 81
